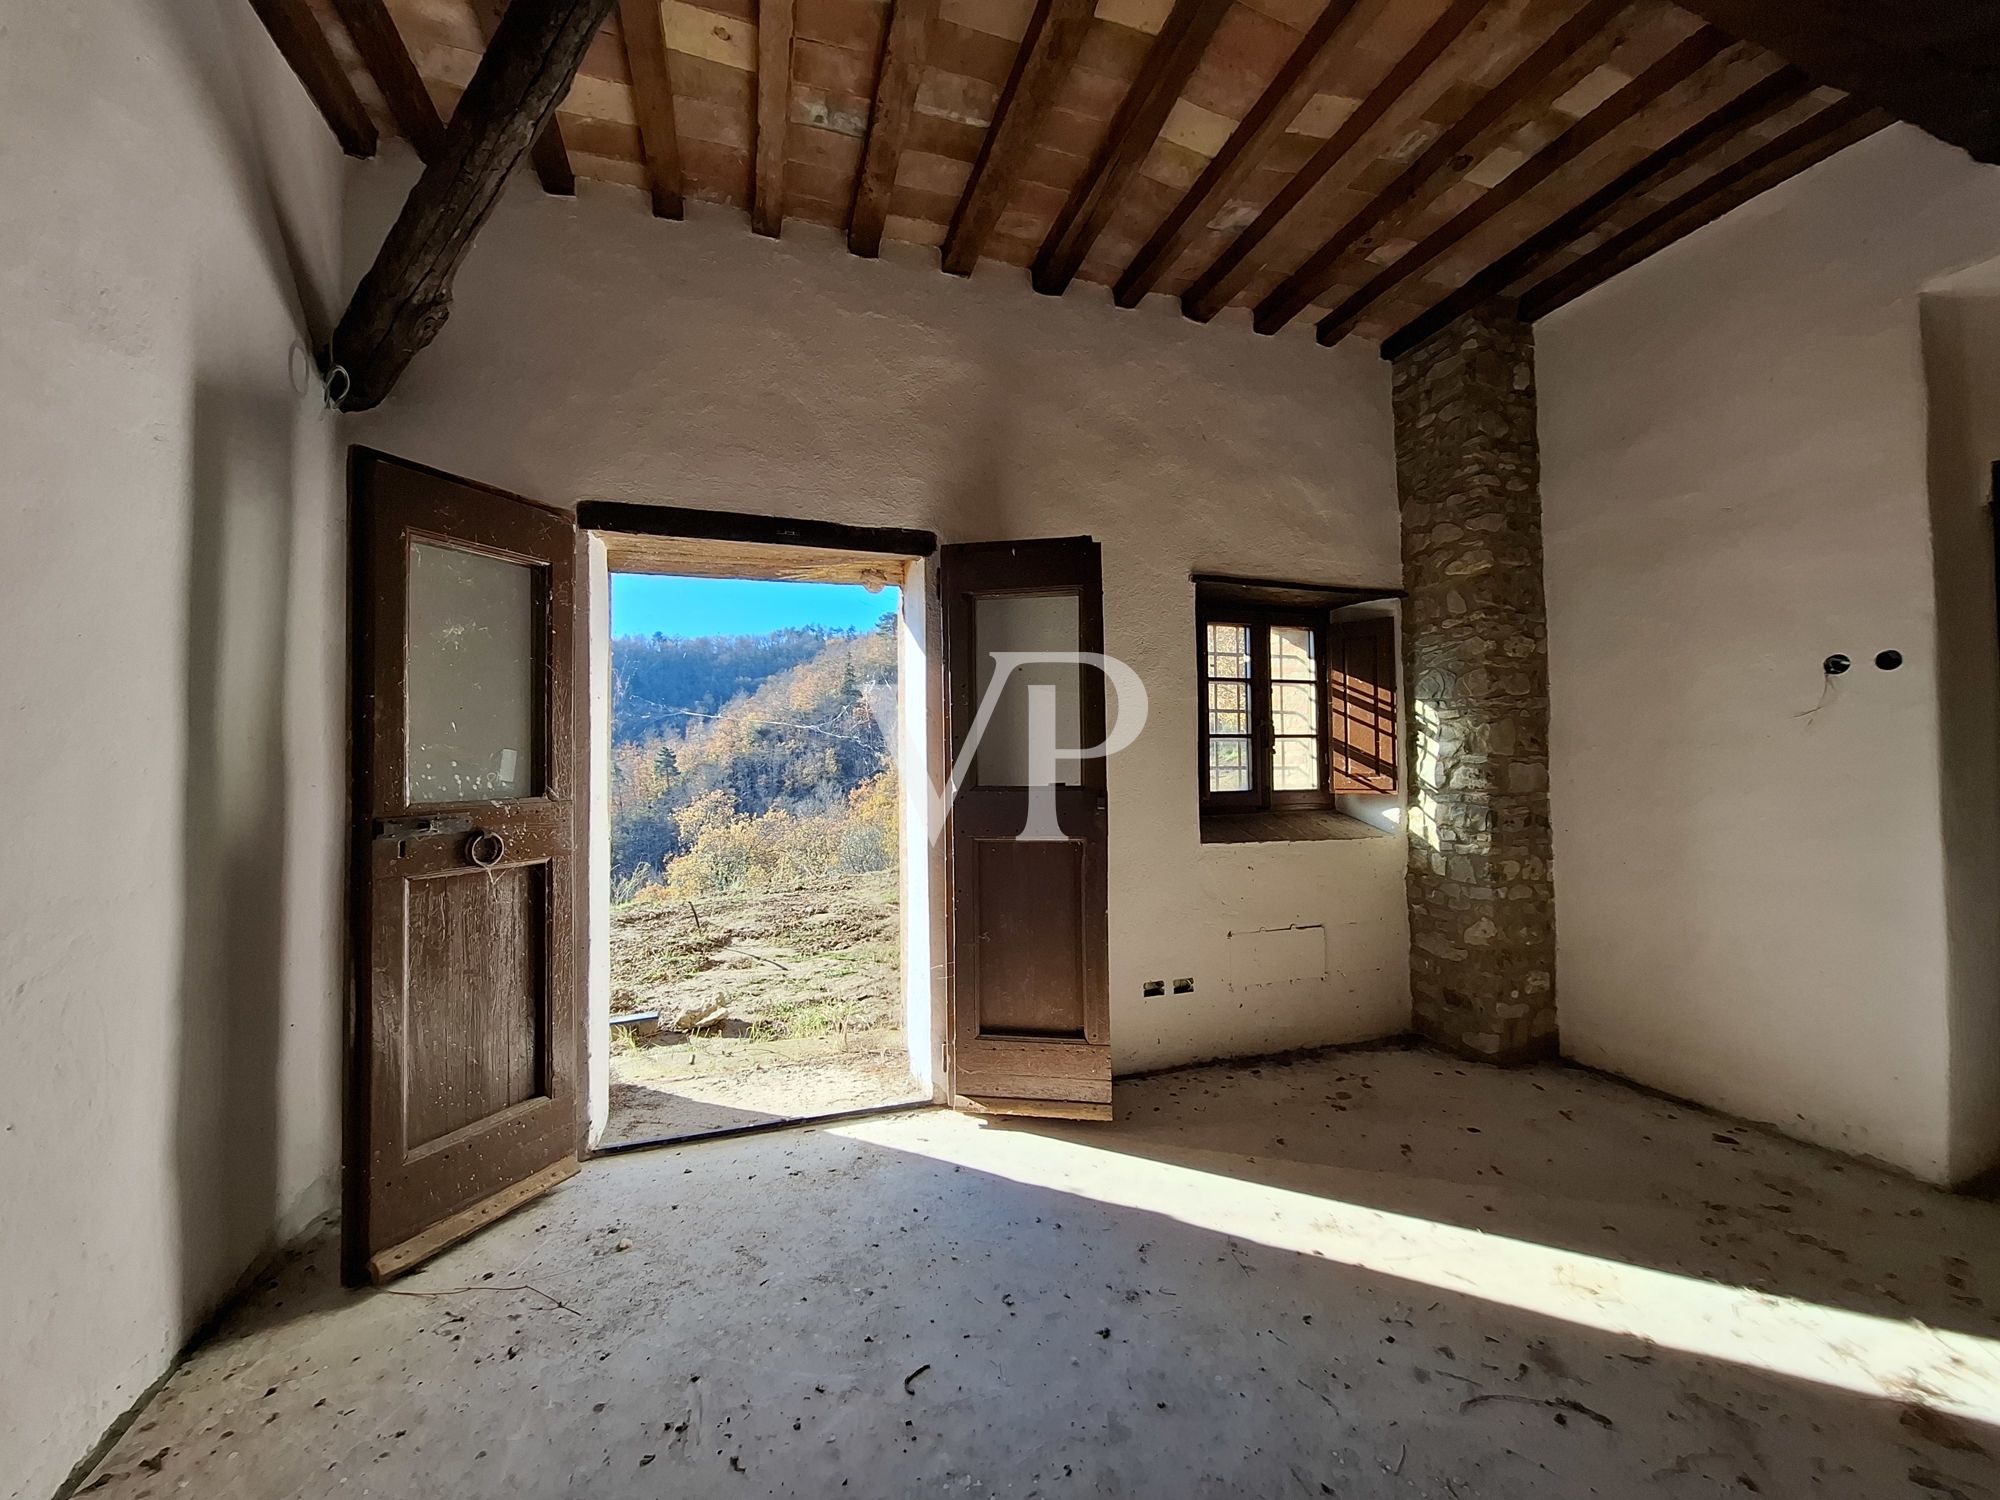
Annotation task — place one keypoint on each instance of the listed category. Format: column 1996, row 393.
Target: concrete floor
column 1360, row 1274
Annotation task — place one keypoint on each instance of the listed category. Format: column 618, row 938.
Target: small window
column 1296, row 705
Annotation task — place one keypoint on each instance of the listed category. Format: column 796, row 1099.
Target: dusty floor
column 1371, row 1274
column 799, row 996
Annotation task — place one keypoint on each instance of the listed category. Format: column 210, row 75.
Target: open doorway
column 755, row 911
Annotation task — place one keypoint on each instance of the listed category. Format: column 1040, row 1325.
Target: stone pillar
column 1475, row 669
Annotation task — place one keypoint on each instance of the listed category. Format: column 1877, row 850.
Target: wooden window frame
column 1262, row 797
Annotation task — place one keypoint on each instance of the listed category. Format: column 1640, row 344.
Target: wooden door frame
column 744, row 537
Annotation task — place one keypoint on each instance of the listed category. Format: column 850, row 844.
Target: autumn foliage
column 787, row 784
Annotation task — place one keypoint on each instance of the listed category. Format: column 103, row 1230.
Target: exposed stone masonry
column 1475, row 666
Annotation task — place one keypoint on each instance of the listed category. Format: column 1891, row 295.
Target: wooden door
column 1030, row 1029
column 464, row 1056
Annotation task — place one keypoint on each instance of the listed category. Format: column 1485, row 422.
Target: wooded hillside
column 748, row 763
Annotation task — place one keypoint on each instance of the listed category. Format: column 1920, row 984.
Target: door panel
column 464, row 1059
column 1030, row 997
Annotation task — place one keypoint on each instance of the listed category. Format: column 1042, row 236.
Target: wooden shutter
column 1361, row 703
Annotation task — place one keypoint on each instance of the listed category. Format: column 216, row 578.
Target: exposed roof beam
column 1259, row 130
column 1689, row 149
column 774, row 109
column 305, row 48
column 1935, row 63
column 889, row 122
column 549, row 155
column 1833, row 128
column 404, row 299
column 381, row 47
column 653, row 101
column 1054, row 35
column 1169, row 61
column 1218, row 285
column 1669, row 73
column 1569, row 53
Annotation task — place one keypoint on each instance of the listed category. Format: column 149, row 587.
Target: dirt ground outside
column 766, row 1006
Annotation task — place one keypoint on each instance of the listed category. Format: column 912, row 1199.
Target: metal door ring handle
column 485, row 849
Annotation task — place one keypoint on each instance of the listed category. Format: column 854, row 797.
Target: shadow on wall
column 234, row 821
column 1961, row 343
column 213, row 50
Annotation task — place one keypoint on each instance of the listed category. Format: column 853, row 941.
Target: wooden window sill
column 1293, row 826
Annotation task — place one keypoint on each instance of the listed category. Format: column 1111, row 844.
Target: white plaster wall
column 594, row 352
column 171, row 598
column 1750, row 881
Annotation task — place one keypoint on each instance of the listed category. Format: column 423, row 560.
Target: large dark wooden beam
column 304, row 46
column 1259, row 130
column 1571, row 52
column 903, row 56
column 549, row 155
column 1934, row 63
column 1698, row 143
column 1169, row 62
column 774, row 112
column 1217, row 286
column 1664, row 76
column 1054, row 36
column 406, row 295
column 653, row 101
column 1832, row 129
column 381, row 47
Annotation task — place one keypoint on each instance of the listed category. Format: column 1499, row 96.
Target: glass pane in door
column 474, row 661
column 1031, row 622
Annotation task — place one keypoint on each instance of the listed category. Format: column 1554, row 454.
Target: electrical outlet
column 1183, row 986
column 1153, row 987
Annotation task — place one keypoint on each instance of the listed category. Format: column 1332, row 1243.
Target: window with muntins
column 1295, row 706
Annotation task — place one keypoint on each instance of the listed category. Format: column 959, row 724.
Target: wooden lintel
column 902, row 69
column 1670, row 72
column 653, row 101
column 304, row 46
column 1571, row 51
column 636, row 519
column 774, row 107
column 406, row 295
column 1698, row 143
column 1055, row 34
column 1169, row 62
column 381, row 47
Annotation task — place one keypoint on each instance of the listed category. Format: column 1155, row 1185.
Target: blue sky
column 652, row 604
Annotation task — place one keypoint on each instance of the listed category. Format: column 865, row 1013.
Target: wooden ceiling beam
column 388, row 61
column 1696, row 144
column 548, row 154
column 1571, row 51
column 304, row 47
column 903, row 53
column 1054, row 36
column 1664, row 76
column 1934, row 63
column 404, row 299
column 774, row 111
column 653, row 102
column 1170, row 61
column 1832, row 129
column 1258, row 131
column 1217, row 286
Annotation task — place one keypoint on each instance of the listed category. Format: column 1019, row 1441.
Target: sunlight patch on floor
column 1858, row 1352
